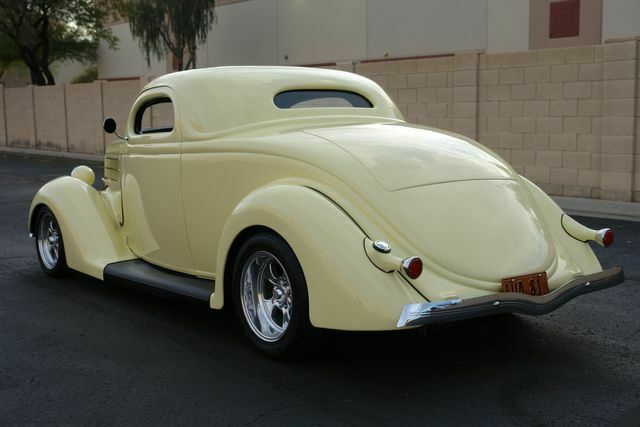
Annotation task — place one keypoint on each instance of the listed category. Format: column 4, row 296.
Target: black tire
column 299, row 337
column 54, row 266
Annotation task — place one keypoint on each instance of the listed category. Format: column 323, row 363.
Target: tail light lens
column 605, row 237
column 412, row 266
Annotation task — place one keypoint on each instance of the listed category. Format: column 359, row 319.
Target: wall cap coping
column 611, row 209
column 99, row 158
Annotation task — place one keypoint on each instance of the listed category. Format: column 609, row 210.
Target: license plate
column 531, row 284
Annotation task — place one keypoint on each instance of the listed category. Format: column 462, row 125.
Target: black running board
column 139, row 274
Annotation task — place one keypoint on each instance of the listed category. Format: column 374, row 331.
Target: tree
column 9, row 55
column 45, row 31
column 177, row 26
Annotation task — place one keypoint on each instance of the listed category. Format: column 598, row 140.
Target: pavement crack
column 272, row 410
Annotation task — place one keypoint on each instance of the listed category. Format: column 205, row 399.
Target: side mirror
column 109, row 125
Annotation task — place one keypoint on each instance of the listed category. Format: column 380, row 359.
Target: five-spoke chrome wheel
column 266, row 296
column 48, row 241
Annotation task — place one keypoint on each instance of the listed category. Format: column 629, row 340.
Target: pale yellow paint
column 91, row 235
column 328, row 180
column 151, row 191
column 84, row 174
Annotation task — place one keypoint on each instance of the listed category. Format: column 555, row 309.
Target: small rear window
column 320, row 98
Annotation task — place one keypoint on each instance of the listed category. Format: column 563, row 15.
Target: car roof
column 220, row 99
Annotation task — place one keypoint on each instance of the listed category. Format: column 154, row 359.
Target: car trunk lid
column 484, row 230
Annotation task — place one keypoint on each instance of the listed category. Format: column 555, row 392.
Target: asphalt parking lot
column 75, row 351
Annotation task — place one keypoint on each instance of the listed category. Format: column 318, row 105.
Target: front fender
column 92, row 236
column 346, row 291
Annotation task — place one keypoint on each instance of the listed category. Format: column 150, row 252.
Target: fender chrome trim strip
column 460, row 309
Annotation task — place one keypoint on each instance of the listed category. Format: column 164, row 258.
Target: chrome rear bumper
column 460, row 309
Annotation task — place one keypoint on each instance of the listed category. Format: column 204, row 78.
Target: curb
column 98, row 158
column 628, row 211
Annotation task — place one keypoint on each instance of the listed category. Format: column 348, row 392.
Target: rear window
column 320, row 98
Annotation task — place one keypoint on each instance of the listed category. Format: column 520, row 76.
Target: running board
column 139, row 274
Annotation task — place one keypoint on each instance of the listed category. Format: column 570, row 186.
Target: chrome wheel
column 266, row 296
column 48, row 241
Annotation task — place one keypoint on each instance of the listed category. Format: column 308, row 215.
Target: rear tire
column 49, row 244
column 271, row 300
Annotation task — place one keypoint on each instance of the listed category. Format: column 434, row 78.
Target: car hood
column 401, row 156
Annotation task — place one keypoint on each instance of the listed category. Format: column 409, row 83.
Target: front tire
column 270, row 297
column 49, row 244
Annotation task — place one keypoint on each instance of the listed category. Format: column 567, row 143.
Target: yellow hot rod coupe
column 302, row 198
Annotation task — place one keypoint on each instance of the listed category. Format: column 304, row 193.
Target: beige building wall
column 127, row 60
column 590, row 25
column 415, row 27
column 318, row 32
column 66, row 72
column 305, row 32
column 507, row 25
column 294, row 32
column 246, row 34
column 620, row 19
column 297, row 32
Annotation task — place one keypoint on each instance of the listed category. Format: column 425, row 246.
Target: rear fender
column 346, row 291
column 91, row 234
column 575, row 256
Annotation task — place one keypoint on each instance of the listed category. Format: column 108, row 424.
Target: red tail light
column 412, row 266
column 605, row 237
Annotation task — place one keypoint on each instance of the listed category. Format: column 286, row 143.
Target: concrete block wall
column 423, row 89
column 84, row 118
column 65, row 118
column 619, row 80
column 20, row 118
column 3, row 127
column 636, row 160
column 117, row 98
column 541, row 111
column 51, row 124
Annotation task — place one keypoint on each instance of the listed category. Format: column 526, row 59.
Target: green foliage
column 9, row 55
column 87, row 76
column 41, row 32
column 177, row 26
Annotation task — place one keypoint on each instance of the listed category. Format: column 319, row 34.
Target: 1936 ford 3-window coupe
column 302, row 198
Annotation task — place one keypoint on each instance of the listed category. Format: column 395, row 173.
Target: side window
column 155, row 116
